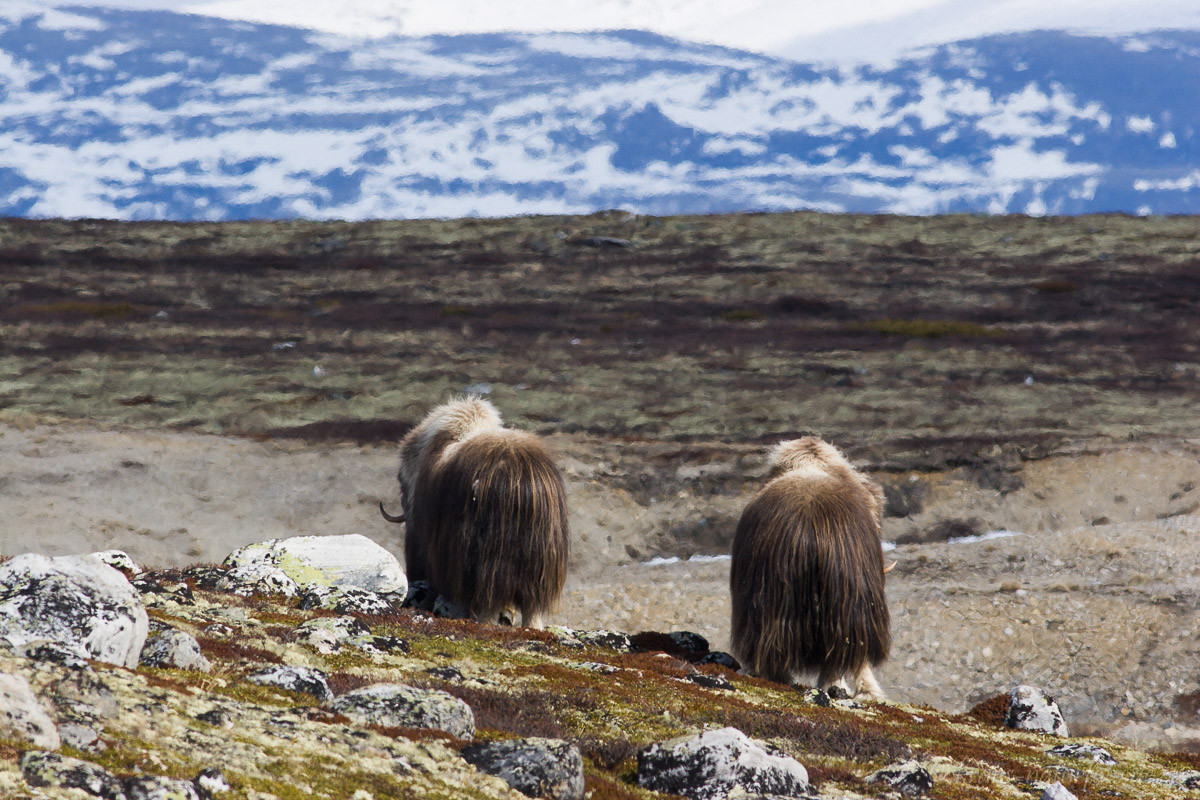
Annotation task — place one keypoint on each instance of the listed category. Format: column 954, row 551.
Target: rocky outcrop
column 1090, row 752
column 710, row 765
column 1031, row 709
column 80, row 603
column 908, row 778
column 544, row 768
column 248, row 580
column 395, row 705
column 22, row 717
column 350, row 561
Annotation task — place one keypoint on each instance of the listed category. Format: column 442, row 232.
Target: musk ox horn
column 392, row 517
column 890, row 567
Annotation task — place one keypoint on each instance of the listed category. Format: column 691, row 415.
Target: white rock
column 118, row 559
column 22, row 716
column 251, row 579
column 712, row 764
column 175, row 649
column 75, row 601
column 352, row 560
column 1056, row 791
column 1031, row 709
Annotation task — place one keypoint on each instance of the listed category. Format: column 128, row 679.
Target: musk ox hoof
column 712, row 764
column 548, row 768
column 1031, row 709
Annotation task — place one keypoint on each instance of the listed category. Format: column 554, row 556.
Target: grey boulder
column 1056, row 791
column 395, row 705
column 50, row 770
column 710, row 765
column 175, row 649
column 908, row 778
column 22, row 717
column 545, row 768
column 156, row 787
column 75, row 601
column 305, row 680
column 1031, row 709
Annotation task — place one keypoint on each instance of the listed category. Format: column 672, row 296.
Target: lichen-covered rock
column 612, row 640
column 691, row 645
column 1031, row 709
column 1187, row 780
column 345, row 600
column 908, row 778
column 51, row 652
column 174, row 649
column 710, row 765
column 78, row 602
column 211, row 783
column 396, row 705
column 118, row 560
column 252, row 579
column 156, row 787
column 22, row 717
column 50, row 770
column 1080, row 750
column 295, row 679
column 1056, row 791
column 547, row 768
column 350, row 561
column 81, row 737
column 328, row 634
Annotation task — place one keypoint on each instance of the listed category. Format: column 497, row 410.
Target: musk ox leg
column 833, row 683
column 866, row 686
column 532, row 620
column 507, row 617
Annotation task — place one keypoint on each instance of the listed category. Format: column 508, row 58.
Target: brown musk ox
column 486, row 513
column 807, row 576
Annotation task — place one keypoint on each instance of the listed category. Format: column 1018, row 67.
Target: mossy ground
column 526, row 683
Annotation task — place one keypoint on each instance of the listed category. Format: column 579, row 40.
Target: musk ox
column 807, row 577
column 486, row 513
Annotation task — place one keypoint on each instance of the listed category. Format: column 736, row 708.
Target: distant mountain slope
column 151, row 114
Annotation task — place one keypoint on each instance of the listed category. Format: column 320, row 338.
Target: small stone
column 710, row 765
column 253, row 579
column 118, row 560
column 545, row 768
column 174, row 649
column 612, row 640
column 345, row 600
column 81, row 737
column 1030, row 709
column 710, row 681
column 210, row 783
column 295, row 679
column 50, row 770
column 1092, row 752
column 22, row 717
column 690, row 644
column 908, row 777
column 328, row 634
column 395, row 705
column 156, row 787
column 1056, row 791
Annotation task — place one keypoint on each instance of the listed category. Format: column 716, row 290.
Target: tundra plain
column 177, row 390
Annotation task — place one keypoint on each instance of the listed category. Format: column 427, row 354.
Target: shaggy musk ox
column 807, row 573
column 486, row 513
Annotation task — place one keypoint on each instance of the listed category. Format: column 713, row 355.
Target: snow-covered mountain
column 154, row 114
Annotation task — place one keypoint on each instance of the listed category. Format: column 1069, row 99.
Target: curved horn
column 391, row 518
column 886, row 569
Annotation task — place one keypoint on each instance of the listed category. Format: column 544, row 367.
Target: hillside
column 239, row 693
column 158, row 115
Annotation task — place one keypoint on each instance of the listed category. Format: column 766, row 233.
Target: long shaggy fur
column 807, row 578
column 487, row 514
